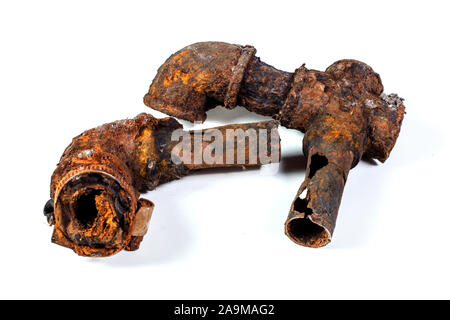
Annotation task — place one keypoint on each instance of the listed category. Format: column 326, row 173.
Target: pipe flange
column 248, row 52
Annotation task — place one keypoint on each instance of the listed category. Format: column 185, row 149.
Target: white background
column 67, row 66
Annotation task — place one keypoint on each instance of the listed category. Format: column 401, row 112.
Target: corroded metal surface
column 95, row 206
column 342, row 111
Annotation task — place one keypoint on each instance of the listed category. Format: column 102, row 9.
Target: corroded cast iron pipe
column 342, row 111
column 95, row 188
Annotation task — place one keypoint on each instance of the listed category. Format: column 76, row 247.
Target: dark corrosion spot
column 357, row 68
column 121, row 207
column 317, row 163
column 86, row 209
column 321, row 77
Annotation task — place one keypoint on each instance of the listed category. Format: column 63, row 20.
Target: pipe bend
column 95, row 188
column 194, row 80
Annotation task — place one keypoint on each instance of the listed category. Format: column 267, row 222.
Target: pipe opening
column 317, row 163
column 303, row 230
column 307, row 233
column 86, row 208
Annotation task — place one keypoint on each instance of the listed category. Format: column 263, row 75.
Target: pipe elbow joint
column 196, row 79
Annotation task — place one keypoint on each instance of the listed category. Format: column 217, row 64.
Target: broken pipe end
column 304, row 231
column 94, row 206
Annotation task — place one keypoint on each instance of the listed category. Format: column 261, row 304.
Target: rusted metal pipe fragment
column 95, row 189
column 342, row 111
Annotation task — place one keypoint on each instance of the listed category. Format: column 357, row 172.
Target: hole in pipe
column 301, row 205
column 317, row 163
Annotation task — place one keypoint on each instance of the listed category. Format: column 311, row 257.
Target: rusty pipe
column 95, row 188
column 342, row 111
